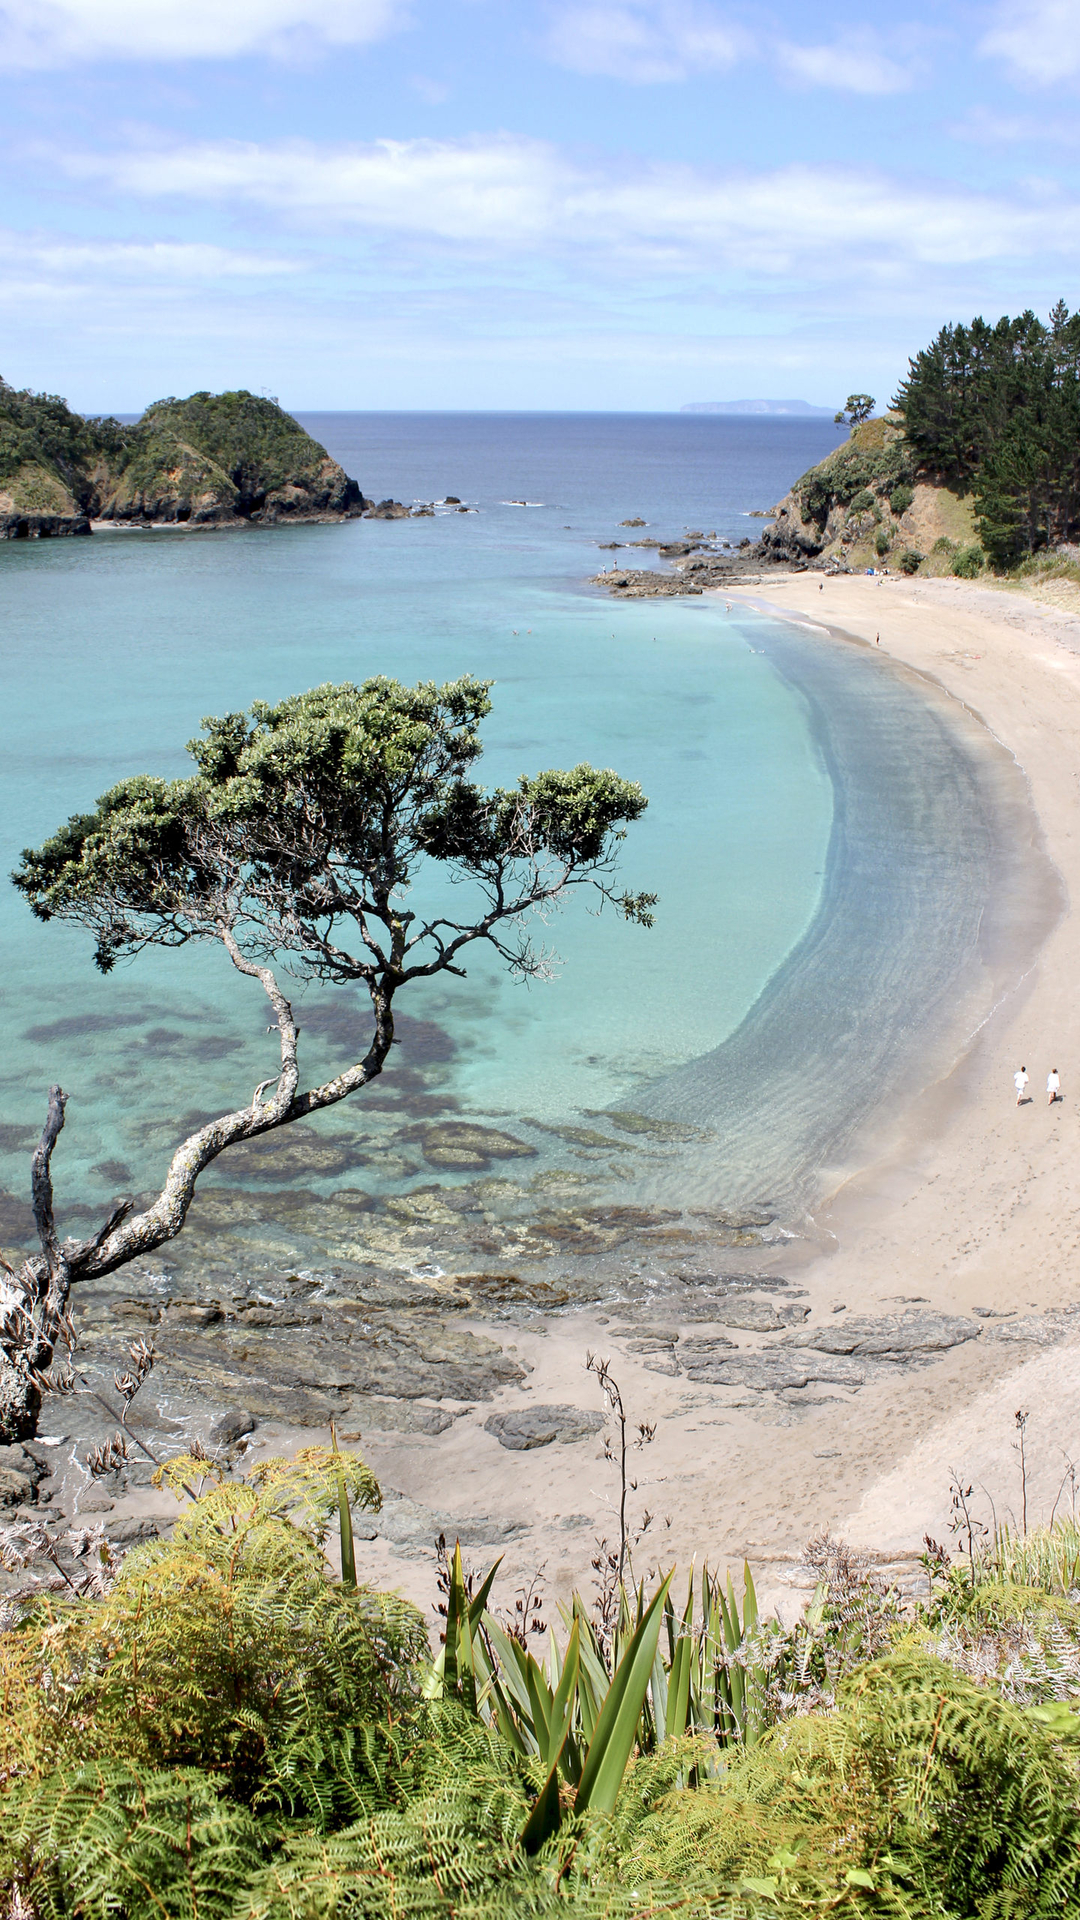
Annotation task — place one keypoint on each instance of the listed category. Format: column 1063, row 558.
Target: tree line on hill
column 994, row 410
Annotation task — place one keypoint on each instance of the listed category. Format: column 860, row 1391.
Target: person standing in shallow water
column 1053, row 1086
column 1020, row 1080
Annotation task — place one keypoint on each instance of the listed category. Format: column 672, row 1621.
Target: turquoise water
column 116, row 646
column 834, row 846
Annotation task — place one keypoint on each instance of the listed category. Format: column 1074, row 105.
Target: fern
column 225, row 1648
column 104, row 1842
column 230, row 1734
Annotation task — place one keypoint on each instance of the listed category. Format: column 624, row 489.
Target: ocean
column 826, row 841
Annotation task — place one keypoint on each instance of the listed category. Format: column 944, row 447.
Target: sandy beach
column 976, row 1207
column 967, row 1205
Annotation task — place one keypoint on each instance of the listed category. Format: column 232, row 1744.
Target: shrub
column 901, row 498
column 968, row 563
column 224, row 1648
column 862, row 501
column 944, row 545
column 881, row 543
column 910, row 561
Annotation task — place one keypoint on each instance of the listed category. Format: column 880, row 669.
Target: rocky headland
column 869, row 504
column 211, row 460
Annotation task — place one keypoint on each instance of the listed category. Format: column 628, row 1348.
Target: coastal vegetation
column 320, row 836
column 209, row 460
column 221, row 1725
column 974, row 466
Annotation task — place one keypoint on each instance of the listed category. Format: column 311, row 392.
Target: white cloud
column 165, row 260
column 1038, row 39
column 50, row 33
column 510, row 197
column 853, row 64
column 644, row 40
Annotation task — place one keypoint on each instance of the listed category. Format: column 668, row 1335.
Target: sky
column 626, row 204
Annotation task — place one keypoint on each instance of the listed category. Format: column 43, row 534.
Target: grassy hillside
column 872, row 503
column 208, row 460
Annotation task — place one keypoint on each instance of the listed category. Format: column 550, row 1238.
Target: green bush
column 901, row 498
column 968, row 563
column 881, row 543
column 877, row 455
column 229, row 1733
column 910, row 561
column 862, row 501
column 944, row 545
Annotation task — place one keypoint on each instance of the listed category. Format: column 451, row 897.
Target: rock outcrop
column 210, row 460
column 867, row 504
column 870, row 504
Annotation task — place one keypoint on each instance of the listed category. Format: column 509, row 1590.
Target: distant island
column 802, row 407
column 213, row 459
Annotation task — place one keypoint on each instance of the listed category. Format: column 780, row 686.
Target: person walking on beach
column 1053, row 1086
column 1020, row 1080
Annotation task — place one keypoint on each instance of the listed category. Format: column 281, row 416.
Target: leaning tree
column 298, row 846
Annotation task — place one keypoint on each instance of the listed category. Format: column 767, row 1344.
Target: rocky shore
column 455, row 1331
column 701, row 562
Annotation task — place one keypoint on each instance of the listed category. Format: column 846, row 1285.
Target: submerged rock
column 460, row 1143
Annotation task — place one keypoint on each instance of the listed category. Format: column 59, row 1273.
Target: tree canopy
column 305, row 826
column 300, row 844
column 856, row 408
column 995, row 410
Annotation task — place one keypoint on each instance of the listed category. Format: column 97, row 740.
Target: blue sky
column 523, row 203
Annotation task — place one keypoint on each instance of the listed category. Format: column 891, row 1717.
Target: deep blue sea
column 735, row 724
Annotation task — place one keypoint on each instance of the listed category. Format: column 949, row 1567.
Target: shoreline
column 942, row 1306
column 935, row 898
column 966, row 1205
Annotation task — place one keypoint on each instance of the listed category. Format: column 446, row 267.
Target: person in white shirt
column 1020, row 1080
column 1053, row 1086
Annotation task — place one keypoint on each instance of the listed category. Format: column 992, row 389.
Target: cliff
column 871, row 503
column 211, row 460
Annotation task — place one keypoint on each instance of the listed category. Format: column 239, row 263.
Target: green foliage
column 922, row 1794
column 912, row 1790
column 881, row 543
column 314, row 814
column 856, row 408
column 875, row 460
column 582, row 1723
column 236, row 451
column 900, row 497
column 968, row 563
column 224, row 1648
column 39, row 429
column 257, row 445
column 1047, row 1558
column 910, row 561
column 996, row 411
column 863, row 501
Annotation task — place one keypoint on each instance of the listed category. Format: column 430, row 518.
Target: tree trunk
column 34, row 1312
column 20, row 1402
